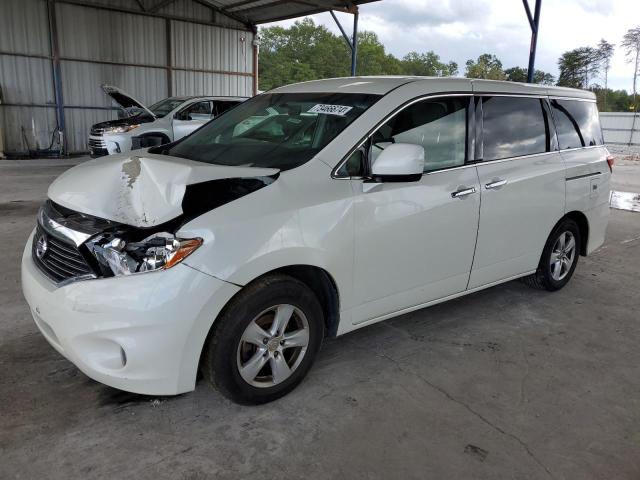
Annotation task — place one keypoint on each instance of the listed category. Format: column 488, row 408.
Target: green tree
column 631, row 45
column 306, row 51
column 427, row 64
column 577, row 66
column 616, row 100
column 519, row 74
column 372, row 58
column 487, row 66
column 605, row 52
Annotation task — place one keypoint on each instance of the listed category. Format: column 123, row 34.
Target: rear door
column 583, row 151
column 522, row 178
column 221, row 106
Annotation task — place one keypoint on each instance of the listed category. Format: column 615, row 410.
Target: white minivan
column 238, row 249
column 163, row 122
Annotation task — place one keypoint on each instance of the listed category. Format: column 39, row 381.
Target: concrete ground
column 506, row 383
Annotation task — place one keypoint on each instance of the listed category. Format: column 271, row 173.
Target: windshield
column 165, row 106
column 274, row 130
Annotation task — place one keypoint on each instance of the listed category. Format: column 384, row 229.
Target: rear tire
column 265, row 341
column 559, row 258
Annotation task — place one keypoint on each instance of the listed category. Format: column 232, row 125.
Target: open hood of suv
column 123, row 99
column 147, row 190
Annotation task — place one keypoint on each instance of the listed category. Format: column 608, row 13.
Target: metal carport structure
column 54, row 54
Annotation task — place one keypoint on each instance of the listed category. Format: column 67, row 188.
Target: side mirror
column 399, row 162
column 184, row 116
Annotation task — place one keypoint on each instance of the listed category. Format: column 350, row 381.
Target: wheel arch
column 321, row 283
column 156, row 133
column 583, row 225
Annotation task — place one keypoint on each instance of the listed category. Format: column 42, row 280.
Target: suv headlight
column 159, row 251
column 120, row 129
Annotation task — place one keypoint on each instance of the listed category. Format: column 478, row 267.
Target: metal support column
column 353, row 41
column 56, row 72
column 534, row 23
column 169, row 34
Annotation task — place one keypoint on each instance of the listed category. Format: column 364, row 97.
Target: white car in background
column 308, row 212
column 163, row 122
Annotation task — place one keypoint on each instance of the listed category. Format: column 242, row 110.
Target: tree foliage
column 519, row 74
column 486, row 66
column 578, row 66
column 631, row 45
column 427, row 64
column 306, row 51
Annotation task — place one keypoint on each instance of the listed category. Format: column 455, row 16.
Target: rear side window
column 514, row 126
column 221, row 107
column 577, row 123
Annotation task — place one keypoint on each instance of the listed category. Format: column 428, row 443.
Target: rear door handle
column 463, row 192
column 495, row 184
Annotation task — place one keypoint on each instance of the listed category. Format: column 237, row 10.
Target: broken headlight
column 159, row 251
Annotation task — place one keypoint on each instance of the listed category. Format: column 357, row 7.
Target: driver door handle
column 463, row 192
column 495, row 184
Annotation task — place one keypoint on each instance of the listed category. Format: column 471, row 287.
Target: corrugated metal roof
column 264, row 11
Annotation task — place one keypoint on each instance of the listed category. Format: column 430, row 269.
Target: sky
column 458, row 30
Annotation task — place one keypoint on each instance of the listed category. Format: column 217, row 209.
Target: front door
column 414, row 241
column 523, row 187
column 191, row 118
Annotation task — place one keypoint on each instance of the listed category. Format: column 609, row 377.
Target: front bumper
column 109, row 144
column 141, row 333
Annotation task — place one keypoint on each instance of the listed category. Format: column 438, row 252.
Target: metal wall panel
column 24, row 27
column 187, row 9
column 81, row 83
column 98, row 46
column 185, row 83
column 198, row 46
column 93, row 34
column 26, row 80
column 27, row 128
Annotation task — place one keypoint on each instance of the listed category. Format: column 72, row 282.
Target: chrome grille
column 96, row 131
column 96, row 143
column 59, row 260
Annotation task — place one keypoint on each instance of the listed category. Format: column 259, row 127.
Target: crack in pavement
column 470, row 410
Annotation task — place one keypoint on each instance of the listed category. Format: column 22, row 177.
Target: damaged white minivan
column 237, row 249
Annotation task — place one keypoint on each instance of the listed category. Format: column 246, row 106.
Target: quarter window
column 437, row 125
column 513, row 127
column 222, row 106
column 577, row 123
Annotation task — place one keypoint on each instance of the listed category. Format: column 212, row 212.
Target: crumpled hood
column 142, row 190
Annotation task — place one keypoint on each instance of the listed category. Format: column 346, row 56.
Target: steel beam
column 534, row 23
column 56, row 71
column 351, row 42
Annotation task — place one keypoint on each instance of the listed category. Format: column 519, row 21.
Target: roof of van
column 384, row 84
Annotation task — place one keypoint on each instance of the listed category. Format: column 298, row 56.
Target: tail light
column 610, row 162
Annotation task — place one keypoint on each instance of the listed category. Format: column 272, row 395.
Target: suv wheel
column 265, row 341
column 559, row 257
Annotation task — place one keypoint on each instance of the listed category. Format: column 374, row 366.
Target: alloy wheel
column 562, row 255
column 273, row 346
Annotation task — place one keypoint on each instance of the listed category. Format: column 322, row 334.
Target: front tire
column 559, row 258
column 265, row 341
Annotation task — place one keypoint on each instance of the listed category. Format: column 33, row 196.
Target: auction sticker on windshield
column 341, row 110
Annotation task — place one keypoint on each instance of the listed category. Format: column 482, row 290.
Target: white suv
column 238, row 249
column 163, row 122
